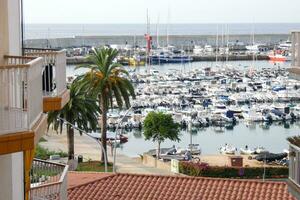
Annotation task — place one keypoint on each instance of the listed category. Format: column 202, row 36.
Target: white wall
column 14, row 27
column 10, row 28
column 11, row 165
column 12, row 179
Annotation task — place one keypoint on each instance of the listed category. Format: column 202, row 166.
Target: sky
column 181, row 11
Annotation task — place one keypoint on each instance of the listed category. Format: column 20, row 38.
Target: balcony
column 294, row 170
column 22, row 121
column 55, row 93
column 48, row 180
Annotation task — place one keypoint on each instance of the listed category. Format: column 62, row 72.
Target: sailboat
column 168, row 54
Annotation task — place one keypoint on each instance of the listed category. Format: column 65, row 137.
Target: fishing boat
column 169, row 57
column 280, row 56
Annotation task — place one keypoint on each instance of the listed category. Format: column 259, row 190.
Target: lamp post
column 116, row 135
column 100, row 144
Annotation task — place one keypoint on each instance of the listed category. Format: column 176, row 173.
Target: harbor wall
column 150, row 161
column 81, row 60
column 181, row 41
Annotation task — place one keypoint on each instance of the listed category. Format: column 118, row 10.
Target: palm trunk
column 158, row 150
column 103, row 128
column 70, row 138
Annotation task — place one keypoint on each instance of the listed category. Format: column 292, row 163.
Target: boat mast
column 253, row 53
column 217, row 44
column 157, row 32
column 168, row 24
column 222, row 45
column 227, row 47
column 147, row 45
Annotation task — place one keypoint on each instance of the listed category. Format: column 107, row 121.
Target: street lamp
column 116, row 136
column 95, row 138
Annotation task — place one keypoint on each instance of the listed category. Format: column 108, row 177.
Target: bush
column 202, row 169
column 44, row 154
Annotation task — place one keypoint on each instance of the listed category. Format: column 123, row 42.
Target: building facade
column 24, row 103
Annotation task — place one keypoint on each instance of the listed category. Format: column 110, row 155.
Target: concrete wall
column 152, row 162
column 12, row 179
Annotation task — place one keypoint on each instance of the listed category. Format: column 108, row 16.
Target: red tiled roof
column 150, row 187
column 80, row 178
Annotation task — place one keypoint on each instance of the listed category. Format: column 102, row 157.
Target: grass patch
column 44, row 153
column 43, row 139
column 94, row 166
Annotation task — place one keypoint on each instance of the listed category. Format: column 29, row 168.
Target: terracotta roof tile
column 150, row 187
column 80, row 178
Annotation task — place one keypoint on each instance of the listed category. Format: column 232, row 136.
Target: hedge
column 204, row 170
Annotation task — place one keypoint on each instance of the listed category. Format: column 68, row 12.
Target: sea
column 48, row 31
column 272, row 137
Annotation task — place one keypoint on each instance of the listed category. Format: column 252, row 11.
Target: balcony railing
column 294, row 164
column 21, row 101
column 54, row 69
column 48, row 180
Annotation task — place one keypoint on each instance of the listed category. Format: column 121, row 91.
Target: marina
column 225, row 102
column 140, row 100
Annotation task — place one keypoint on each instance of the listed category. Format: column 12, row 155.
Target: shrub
column 202, row 169
column 44, row 154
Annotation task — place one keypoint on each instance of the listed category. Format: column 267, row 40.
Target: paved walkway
column 90, row 150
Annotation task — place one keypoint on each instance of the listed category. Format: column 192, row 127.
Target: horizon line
column 191, row 23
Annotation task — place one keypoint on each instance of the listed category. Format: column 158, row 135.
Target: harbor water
column 271, row 136
column 210, row 139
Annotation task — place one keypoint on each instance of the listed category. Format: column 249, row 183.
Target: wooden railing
column 48, row 180
column 21, row 102
column 54, row 69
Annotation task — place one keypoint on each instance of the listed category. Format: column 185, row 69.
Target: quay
column 75, row 60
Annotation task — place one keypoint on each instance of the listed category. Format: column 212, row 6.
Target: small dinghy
column 228, row 149
column 246, row 151
column 270, row 157
column 193, row 148
column 259, row 150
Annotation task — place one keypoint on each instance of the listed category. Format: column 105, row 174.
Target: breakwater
column 181, row 41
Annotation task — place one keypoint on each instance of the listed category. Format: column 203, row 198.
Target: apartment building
column 32, row 83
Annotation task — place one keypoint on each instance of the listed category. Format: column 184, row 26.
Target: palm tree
column 108, row 81
column 81, row 110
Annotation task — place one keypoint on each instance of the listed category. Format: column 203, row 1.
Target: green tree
column 109, row 82
column 158, row 127
column 81, row 110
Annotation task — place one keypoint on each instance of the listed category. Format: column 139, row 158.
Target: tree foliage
column 81, row 111
column 109, row 82
column 159, row 126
